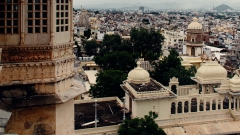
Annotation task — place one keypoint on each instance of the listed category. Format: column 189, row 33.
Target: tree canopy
column 147, row 42
column 116, row 60
column 87, row 33
column 171, row 67
column 111, row 43
column 116, row 53
column 145, row 21
column 141, row 126
column 108, row 84
column 119, row 55
column 143, row 43
column 91, row 47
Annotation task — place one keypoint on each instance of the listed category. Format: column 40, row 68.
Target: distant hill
column 223, row 7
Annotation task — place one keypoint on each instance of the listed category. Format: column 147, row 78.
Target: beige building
column 194, row 43
column 36, row 79
column 204, row 108
column 173, row 39
column 193, row 47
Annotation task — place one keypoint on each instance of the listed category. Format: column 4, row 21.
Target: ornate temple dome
column 194, row 24
column 138, row 75
column 211, row 71
column 235, row 84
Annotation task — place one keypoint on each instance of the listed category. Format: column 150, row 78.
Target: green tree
column 87, row 33
column 141, row 126
column 171, row 67
column 108, row 82
column 91, row 47
column 148, row 43
column 96, row 12
column 116, row 60
column 145, row 21
column 78, row 49
column 111, row 43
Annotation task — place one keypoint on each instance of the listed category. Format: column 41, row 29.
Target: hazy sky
column 87, row 2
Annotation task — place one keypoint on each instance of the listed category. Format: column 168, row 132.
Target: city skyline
column 90, row 2
column 154, row 4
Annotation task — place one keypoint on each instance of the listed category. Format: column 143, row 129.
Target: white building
column 173, row 39
column 205, row 108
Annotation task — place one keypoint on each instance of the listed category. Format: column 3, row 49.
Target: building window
column 62, row 21
column 9, row 14
column 37, row 16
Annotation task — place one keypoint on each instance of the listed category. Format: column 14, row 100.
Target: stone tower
column 36, row 80
column 194, row 42
column 83, row 19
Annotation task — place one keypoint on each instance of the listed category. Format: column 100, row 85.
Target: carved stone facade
column 43, row 72
column 36, row 79
column 36, row 53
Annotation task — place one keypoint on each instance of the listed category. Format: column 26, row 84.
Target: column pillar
column 203, row 89
column 205, row 105
column 70, row 10
column 210, row 105
column 234, row 103
column 237, row 103
column 183, row 104
column 216, row 105
column 176, row 108
column 210, row 87
column 22, row 22
column 229, row 103
column 189, row 106
column 53, row 20
column 221, row 104
column 198, row 105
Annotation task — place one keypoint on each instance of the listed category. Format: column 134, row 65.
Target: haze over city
column 155, row 4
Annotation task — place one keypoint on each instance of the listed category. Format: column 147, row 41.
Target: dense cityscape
column 119, row 69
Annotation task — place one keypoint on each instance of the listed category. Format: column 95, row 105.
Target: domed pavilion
column 194, row 42
column 138, row 75
column 209, row 75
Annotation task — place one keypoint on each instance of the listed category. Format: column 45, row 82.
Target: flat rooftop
column 85, row 113
column 151, row 86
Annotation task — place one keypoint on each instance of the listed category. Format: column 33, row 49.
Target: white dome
column 138, row 75
column 211, row 71
column 235, row 80
column 235, row 84
column 194, row 24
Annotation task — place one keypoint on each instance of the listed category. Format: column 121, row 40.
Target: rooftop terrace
column 108, row 113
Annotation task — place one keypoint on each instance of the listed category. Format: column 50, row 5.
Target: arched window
column 180, row 107
column 193, row 51
column 194, row 105
column 186, row 104
column 173, row 108
column 174, row 89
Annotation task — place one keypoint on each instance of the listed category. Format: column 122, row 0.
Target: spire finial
column 138, row 63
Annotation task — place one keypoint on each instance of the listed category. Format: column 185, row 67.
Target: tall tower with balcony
column 36, row 80
column 194, row 43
